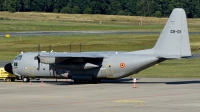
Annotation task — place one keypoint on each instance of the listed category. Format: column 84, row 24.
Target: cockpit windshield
column 19, row 57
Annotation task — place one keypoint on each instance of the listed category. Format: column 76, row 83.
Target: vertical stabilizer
column 174, row 39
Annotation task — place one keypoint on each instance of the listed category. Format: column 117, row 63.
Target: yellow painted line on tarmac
column 129, row 101
column 13, row 82
column 139, row 102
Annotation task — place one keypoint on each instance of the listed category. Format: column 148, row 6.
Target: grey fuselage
column 114, row 65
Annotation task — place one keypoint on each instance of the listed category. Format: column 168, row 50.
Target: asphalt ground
column 150, row 95
column 36, row 33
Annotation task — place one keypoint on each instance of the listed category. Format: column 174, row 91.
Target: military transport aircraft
column 173, row 43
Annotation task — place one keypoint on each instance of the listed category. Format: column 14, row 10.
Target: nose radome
column 8, row 68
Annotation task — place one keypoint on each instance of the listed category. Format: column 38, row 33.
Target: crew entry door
column 109, row 68
column 30, row 71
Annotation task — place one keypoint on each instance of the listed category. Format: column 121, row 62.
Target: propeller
column 80, row 47
column 38, row 57
column 70, row 47
column 49, row 49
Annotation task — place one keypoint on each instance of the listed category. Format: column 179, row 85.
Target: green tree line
column 156, row 8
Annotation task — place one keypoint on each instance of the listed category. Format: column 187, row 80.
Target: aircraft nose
column 8, row 68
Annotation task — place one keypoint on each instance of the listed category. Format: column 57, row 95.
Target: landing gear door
column 109, row 68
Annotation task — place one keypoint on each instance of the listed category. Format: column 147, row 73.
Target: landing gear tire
column 7, row 80
column 25, row 79
column 75, row 81
column 12, row 79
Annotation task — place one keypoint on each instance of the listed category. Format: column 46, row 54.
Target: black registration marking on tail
column 175, row 31
column 178, row 31
column 172, row 31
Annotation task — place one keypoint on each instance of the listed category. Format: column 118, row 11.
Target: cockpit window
column 19, row 57
column 15, row 64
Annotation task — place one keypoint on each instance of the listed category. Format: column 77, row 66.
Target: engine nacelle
column 47, row 60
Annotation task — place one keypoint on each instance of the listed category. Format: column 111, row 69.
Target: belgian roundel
column 122, row 65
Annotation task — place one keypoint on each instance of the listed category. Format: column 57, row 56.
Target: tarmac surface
column 150, row 95
column 36, row 33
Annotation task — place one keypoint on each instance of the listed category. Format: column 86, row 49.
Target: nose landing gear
column 25, row 79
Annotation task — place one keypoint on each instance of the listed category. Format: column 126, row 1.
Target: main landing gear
column 25, row 79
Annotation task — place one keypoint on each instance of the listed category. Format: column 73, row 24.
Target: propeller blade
column 38, row 49
column 49, row 49
column 38, row 57
column 38, row 62
column 80, row 47
column 70, row 47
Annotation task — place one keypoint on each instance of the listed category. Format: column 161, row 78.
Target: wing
column 52, row 58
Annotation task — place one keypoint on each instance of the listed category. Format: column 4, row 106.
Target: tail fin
column 174, row 39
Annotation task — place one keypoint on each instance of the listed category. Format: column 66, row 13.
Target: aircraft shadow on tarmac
column 119, row 81
column 184, row 82
column 125, row 81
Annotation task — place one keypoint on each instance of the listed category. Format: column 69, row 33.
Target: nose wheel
column 7, row 80
column 25, row 79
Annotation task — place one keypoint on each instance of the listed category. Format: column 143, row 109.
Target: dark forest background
column 155, row 8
